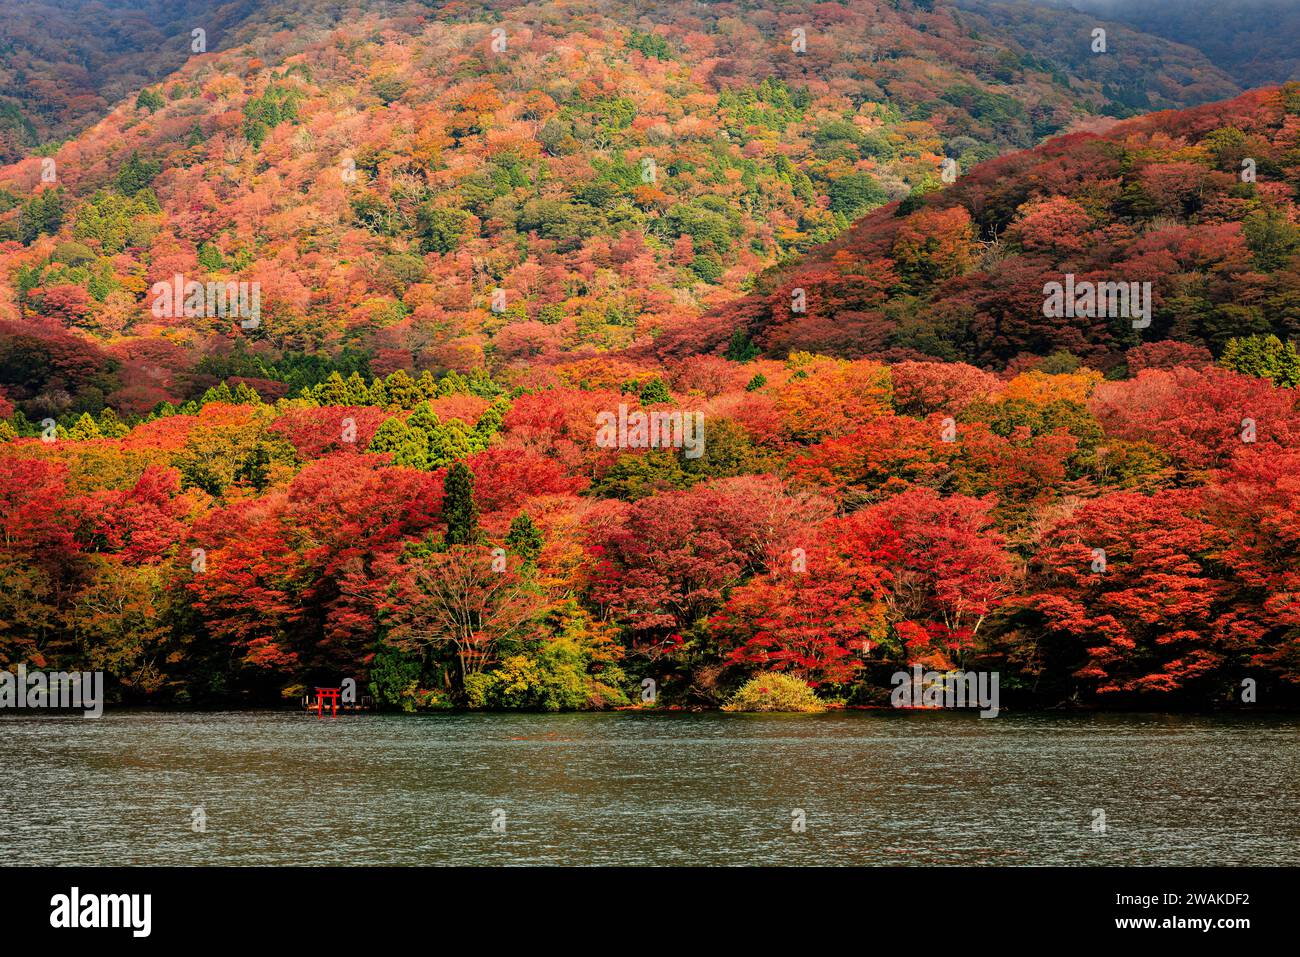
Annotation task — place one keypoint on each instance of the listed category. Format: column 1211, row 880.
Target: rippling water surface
column 874, row 788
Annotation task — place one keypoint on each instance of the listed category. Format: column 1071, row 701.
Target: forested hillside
column 1200, row 203
column 815, row 243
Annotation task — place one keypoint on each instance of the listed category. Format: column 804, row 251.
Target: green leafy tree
column 775, row 692
column 210, row 258
column 728, row 451
column 394, row 679
column 635, row 475
column 1271, row 237
column 855, row 194
column 441, row 229
column 1266, row 357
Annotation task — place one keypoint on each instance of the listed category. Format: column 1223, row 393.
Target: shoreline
column 668, row 711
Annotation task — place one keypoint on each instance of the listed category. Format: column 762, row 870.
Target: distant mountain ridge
column 1255, row 41
column 65, row 63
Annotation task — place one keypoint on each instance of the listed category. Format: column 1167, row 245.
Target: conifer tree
column 458, row 508
column 84, row 428
column 402, row 390
column 655, row 391
column 524, row 538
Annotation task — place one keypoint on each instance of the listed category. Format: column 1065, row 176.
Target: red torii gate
column 333, row 695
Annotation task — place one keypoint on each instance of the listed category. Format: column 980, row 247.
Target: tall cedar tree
column 458, row 506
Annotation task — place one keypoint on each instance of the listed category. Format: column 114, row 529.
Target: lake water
column 650, row 789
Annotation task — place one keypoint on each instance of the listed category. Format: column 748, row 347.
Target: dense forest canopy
column 65, row 63
column 1199, row 203
column 445, row 242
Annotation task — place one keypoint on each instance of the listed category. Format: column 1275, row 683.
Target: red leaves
column 675, row 554
column 1200, row 416
column 935, row 244
column 298, row 575
column 1056, row 224
column 508, row 477
column 141, row 523
column 320, row 430
column 1143, row 615
column 921, row 388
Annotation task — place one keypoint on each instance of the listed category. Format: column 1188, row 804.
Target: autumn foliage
column 465, row 260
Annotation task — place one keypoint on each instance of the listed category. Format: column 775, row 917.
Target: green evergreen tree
column 458, row 508
column 220, row 393
column 42, row 215
column 358, row 393
column 450, row 442
column 111, row 425
column 85, row 428
column 402, row 390
column 149, row 100
column 453, row 383
column 741, row 348
column 388, row 438
column 135, row 174
column 489, row 423
column 408, row 447
column 482, row 385
column 333, row 391
column 524, row 538
column 24, row 426
column 424, row 417
column 427, row 385
column 656, row 390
